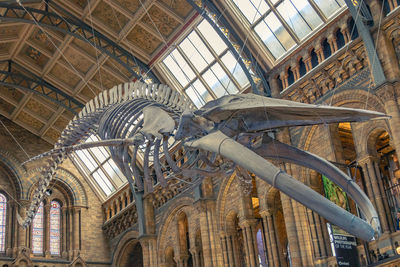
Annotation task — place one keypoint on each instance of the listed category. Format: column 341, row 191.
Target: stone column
column 345, row 31
column 373, row 188
column 149, row 248
column 23, row 233
column 275, row 88
column 332, row 42
column 70, row 222
column 224, row 248
column 250, row 241
column 271, row 240
column 307, row 62
column 46, row 214
column 388, row 94
column 9, row 227
column 320, row 53
column 76, row 227
column 64, row 228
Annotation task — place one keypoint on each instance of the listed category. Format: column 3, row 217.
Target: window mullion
column 284, row 24
column 217, row 58
column 318, row 10
column 230, row 75
column 198, row 76
column 108, row 175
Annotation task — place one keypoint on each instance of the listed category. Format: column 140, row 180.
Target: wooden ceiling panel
column 52, row 134
column 49, row 104
column 156, row 18
column 89, row 93
column 79, row 3
column 11, row 94
column 44, row 40
column 82, row 64
column 110, row 17
column 143, row 39
column 131, row 5
column 60, row 123
column 34, row 56
column 181, row 7
column 5, row 48
column 114, row 65
column 65, row 75
column 105, row 79
column 29, row 120
column 10, row 32
column 38, row 108
column 86, row 47
column 6, row 107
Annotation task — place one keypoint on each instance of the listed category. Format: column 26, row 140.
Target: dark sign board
column 345, row 245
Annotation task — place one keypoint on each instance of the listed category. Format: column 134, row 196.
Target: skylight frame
column 198, row 75
column 272, row 6
column 100, row 166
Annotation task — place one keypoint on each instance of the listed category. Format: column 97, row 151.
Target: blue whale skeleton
column 140, row 120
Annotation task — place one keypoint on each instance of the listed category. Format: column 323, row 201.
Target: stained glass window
column 3, row 216
column 55, row 221
column 38, row 231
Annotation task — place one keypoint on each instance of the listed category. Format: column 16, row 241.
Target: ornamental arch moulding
column 352, row 98
column 126, row 241
column 183, row 204
column 64, row 180
column 13, row 169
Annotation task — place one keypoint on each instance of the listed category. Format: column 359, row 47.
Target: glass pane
column 196, row 51
column 293, row 19
column 195, row 96
column 38, row 231
column 87, row 159
column 218, row 45
column 224, row 79
column 270, row 40
column 214, row 83
column 103, row 182
column 100, row 153
column 252, row 9
column 231, row 63
column 179, row 68
column 307, row 12
column 3, row 222
column 328, row 7
column 114, row 172
column 55, row 222
column 201, row 89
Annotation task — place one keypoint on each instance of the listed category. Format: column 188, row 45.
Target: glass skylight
column 98, row 165
column 283, row 24
column 203, row 67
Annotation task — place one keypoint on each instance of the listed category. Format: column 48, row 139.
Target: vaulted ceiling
column 39, row 64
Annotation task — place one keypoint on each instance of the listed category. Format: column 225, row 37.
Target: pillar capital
column 244, row 223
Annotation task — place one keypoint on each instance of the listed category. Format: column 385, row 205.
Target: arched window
column 55, row 222
column 3, row 216
column 38, row 231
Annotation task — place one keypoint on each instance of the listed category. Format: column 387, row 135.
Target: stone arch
column 221, row 200
column 121, row 246
column 126, row 245
column 370, row 139
column 182, row 204
column 66, row 182
column 352, row 98
column 14, row 170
